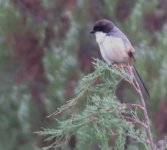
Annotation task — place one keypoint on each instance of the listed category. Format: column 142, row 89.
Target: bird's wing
column 118, row 33
column 130, row 50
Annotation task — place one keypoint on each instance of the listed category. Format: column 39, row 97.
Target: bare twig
column 73, row 102
column 134, row 106
column 135, row 84
column 69, row 104
column 132, row 137
column 135, row 121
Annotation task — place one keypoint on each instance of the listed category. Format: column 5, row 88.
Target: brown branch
column 136, row 86
column 72, row 103
column 133, row 137
column 134, row 106
column 69, row 104
column 130, row 119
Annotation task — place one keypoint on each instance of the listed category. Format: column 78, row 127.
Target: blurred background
column 46, row 48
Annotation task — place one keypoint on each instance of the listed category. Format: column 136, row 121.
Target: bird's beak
column 92, row 31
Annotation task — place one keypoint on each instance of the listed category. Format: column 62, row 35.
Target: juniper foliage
column 102, row 122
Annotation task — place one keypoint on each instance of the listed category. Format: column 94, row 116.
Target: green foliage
column 102, row 119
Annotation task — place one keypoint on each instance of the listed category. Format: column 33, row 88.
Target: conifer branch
column 103, row 113
column 133, row 81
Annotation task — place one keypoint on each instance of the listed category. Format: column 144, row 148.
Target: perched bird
column 115, row 47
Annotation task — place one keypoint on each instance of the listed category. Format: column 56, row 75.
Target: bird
column 115, row 47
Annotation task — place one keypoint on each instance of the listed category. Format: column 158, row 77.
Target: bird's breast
column 113, row 49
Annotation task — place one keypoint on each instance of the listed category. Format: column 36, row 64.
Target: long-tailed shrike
column 114, row 46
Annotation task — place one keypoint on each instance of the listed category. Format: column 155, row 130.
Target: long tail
column 139, row 79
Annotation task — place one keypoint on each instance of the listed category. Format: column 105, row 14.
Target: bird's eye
column 108, row 34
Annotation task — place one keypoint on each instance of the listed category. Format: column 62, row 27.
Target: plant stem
column 147, row 121
column 148, row 130
column 72, row 102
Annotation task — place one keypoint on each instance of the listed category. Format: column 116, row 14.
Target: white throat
column 100, row 36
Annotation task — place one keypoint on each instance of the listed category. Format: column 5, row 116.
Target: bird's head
column 103, row 25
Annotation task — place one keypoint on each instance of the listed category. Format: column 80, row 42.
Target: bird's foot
column 120, row 66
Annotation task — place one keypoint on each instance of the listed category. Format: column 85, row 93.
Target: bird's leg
column 132, row 77
column 129, row 68
column 118, row 66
